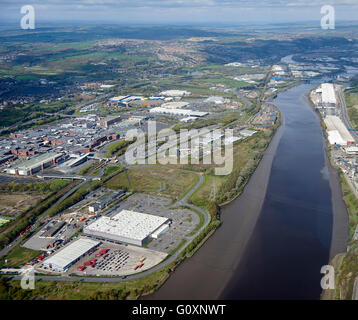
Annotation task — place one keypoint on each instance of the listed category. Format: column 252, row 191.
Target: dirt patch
column 13, row 204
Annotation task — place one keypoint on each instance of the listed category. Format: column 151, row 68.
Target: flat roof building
column 179, row 112
column 126, row 226
column 102, row 203
column 175, row 93
column 328, row 94
column 106, row 122
column 35, row 164
column 175, row 105
column 247, row 133
column 215, row 100
column 69, row 255
column 335, row 138
column 334, row 123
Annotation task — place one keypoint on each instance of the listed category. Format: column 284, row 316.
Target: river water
column 277, row 235
column 292, row 238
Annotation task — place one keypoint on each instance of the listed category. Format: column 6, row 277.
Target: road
column 344, row 113
column 243, row 98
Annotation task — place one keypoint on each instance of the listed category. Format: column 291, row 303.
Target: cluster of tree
column 39, row 122
column 28, row 217
column 194, row 244
column 40, row 187
column 118, row 148
column 111, row 170
column 110, row 295
column 85, row 170
column 214, row 210
column 9, row 292
column 237, row 180
column 79, row 195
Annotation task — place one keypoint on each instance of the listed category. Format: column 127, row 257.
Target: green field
column 3, row 221
column 164, row 181
column 19, row 256
column 351, row 202
column 58, row 290
column 351, row 98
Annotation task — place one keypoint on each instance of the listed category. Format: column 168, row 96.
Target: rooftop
column 72, row 252
column 129, row 224
column 38, row 160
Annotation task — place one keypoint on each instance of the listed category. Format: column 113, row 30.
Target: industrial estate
column 75, row 211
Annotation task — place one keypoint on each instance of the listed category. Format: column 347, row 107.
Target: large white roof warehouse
column 126, row 226
column 66, row 257
column 342, row 135
column 328, row 94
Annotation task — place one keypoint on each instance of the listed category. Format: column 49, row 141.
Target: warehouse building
column 35, row 164
column 103, row 203
column 247, row 133
column 337, row 131
column 108, row 121
column 328, row 95
column 175, row 93
column 179, row 112
column 352, row 150
column 127, row 226
column 68, row 256
column 52, row 228
column 215, row 100
column 175, row 105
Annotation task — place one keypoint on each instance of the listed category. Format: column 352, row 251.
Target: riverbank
column 340, row 250
column 340, row 229
column 282, row 221
column 206, row 274
column 343, row 250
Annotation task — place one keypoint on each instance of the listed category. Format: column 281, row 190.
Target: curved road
column 166, row 262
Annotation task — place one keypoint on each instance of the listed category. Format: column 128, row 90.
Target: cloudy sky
column 180, row 11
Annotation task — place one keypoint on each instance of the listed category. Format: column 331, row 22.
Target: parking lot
column 111, row 259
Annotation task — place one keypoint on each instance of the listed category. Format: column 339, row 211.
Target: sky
column 180, row 11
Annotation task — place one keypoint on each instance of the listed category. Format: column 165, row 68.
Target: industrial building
column 188, row 119
column 68, row 256
column 103, row 203
column 179, row 112
column 337, row 131
column 175, row 105
column 353, row 150
column 215, row 100
column 52, row 228
column 35, row 164
column 247, row 133
column 175, row 93
column 127, row 226
column 327, row 93
column 108, row 121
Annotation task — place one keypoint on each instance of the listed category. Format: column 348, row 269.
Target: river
column 279, row 233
